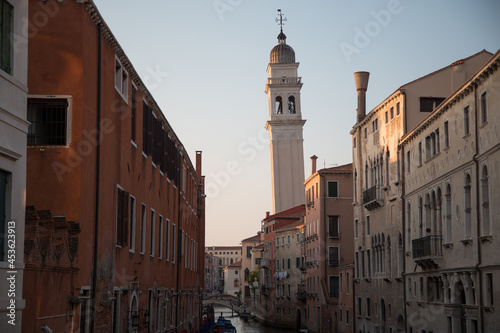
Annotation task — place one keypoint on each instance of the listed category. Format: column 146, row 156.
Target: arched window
column 427, row 213
column 279, row 105
column 408, row 225
column 389, row 256
column 387, row 168
column 468, row 208
column 485, row 201
column 449, row 226
column 291, row 105
column 400, row 255
column 420, row 210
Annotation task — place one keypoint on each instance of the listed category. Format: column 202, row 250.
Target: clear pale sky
column 205, row 64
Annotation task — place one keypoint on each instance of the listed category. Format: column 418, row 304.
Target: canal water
column 250, row 326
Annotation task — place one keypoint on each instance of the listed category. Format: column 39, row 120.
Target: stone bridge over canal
column 227, row 301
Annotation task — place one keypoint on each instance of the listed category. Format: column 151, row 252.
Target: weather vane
column 281, row 19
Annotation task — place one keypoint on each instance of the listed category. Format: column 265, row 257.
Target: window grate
column 48, row 118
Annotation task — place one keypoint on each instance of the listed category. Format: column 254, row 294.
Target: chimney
column 313, row 164
column 267, row 214
column 198, row 163
column 361, row 79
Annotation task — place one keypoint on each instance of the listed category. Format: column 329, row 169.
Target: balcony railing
column 284, row 80
column 427, row 246
column 371, row 198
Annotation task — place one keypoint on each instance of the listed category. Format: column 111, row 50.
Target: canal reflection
column 251, row 326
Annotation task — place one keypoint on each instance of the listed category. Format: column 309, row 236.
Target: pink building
column 328, row 246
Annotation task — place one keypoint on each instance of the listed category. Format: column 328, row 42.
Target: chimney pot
column 361, row 80
column 313, row 164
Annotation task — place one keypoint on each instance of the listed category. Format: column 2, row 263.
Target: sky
column 205, row 61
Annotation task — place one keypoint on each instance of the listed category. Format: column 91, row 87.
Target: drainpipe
column 179, row 246
column 478, row 218
column 403, row 211
column 98, row 167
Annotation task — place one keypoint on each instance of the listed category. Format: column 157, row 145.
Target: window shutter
column 119, row 217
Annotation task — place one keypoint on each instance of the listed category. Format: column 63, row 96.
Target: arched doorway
column 400, row 324
column 298, row 320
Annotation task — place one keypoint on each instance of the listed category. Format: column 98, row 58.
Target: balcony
column 427, row 250
column 284, row 80
column 264, row 262
column 372, row 198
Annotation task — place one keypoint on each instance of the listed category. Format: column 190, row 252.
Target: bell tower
column 285, row 125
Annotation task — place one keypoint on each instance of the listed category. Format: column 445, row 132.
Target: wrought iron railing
column 427, row 246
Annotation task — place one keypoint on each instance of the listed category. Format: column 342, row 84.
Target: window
column 449, row 226
column 466, row 120
column 428, row 104
column 484, row 110
column 288, row 263
column 283, row 240
column 347, row 281
column 297, row 262
column 360, row 306
column 340, row 315
column 133, row 113
column 143, row 228
column 375, row 125
column 288, row 239
column 277, row 264
column 48, row 118
column 249, row 251
column 160, row 241
column 121, row 217
column 468, row 206
column 420, row 153
column 333, row 188
column 397, row 109
column 392, row 112
column 356, row 265
column 333, row 226
column 356, row 228
column 386, row 117
column 446, row 135
column 132, row 224
column 6, row 36
column 368, row 307
column 291, row 105
column 152, row 233
column 347, row 317
column 4, row 199
column 366, row 133
column 485, row 204
column 334, row 286
column 354, row 142
column 368, row 225
column 279, row 105
column 408, row 161
column 277, row 241
column 333, row 255
column 121, row 79
column 167, row 240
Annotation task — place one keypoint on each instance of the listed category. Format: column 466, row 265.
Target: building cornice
column 466, row 89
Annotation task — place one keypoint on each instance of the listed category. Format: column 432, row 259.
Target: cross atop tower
column 280, row 19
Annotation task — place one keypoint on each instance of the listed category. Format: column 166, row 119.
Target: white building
column 232, row 279
column 451, row 206
column 379, row 236
column 13, row 136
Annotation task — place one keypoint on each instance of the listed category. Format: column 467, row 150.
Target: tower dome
column 282, row 53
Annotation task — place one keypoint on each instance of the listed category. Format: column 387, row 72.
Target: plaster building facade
column 453, row 268
column 13, row 136
column 289, row 276
column 115, row 216
column 285, row 127
column 227, row 255
column 232, row 279
column 248, row 265
column 211, row 273
column 328, row 245
column 267, row 305
column 379, row 235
